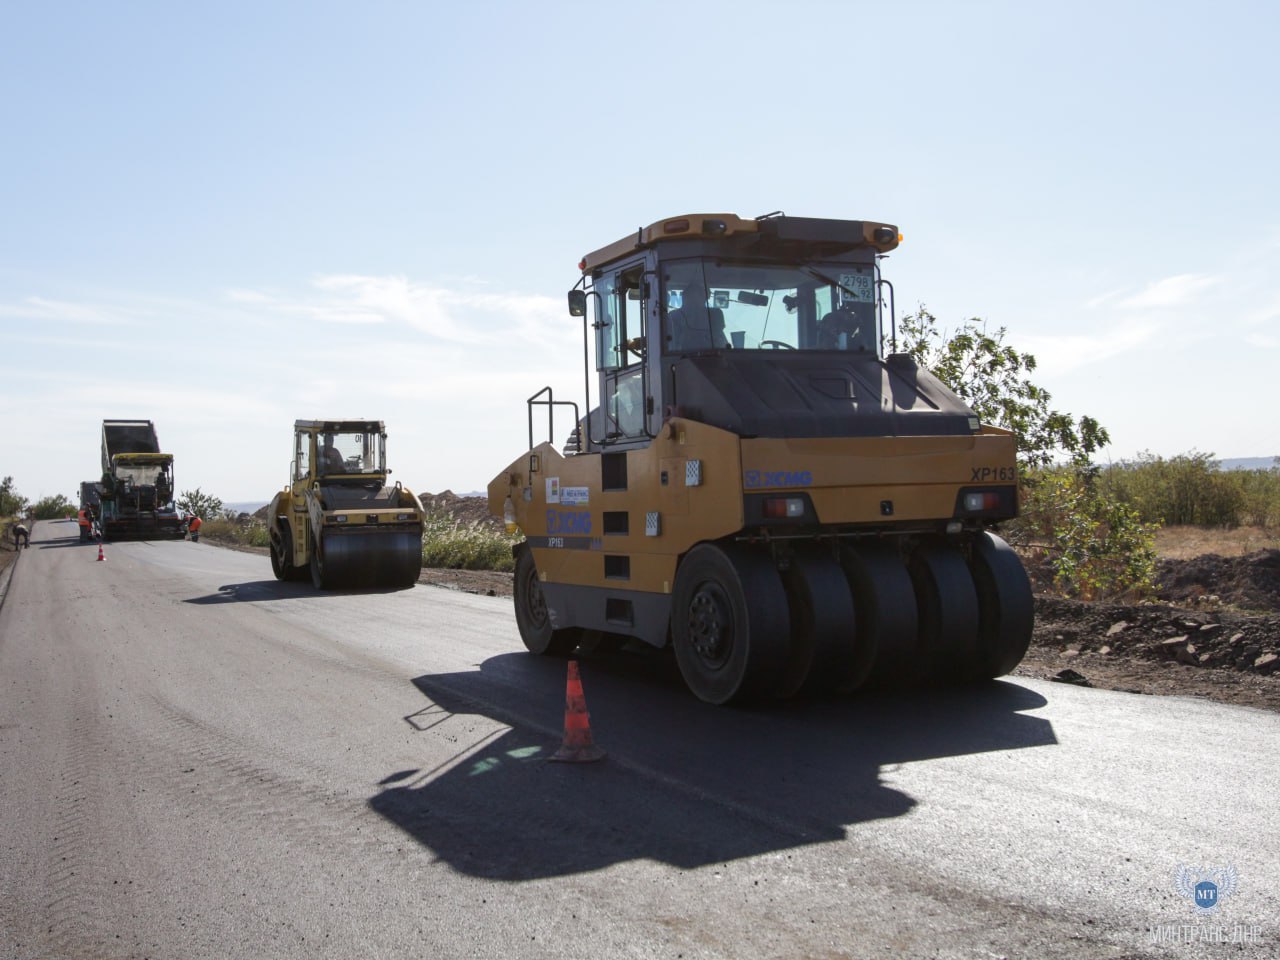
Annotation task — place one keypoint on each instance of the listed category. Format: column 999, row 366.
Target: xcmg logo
column 755, row 479
column 568, row 522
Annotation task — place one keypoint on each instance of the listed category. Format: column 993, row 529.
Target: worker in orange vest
column 85, row 519
column 193, row 527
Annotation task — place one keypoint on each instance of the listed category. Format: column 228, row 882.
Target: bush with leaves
column 11, row 504
column 1096, row 546
column 994, row 379
column 203, row 505
column 1191, row 489
column 1086, row 532
column 55, row 507
column 1260, row 496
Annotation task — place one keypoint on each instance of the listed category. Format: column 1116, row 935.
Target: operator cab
column 342, row 451
column 711, row 305
column 778, row 326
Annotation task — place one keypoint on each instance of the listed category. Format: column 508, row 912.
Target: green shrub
column 1190, row 490
column 1260, row 497
column 52, row 508
column 252, row 534
column 203, row 505
column 463, row 545
column 11, row 504
column 994, row 379
column 1096, row 546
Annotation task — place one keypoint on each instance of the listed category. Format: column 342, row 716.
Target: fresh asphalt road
column 197, row 761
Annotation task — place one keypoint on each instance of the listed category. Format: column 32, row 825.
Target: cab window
column 621, row 349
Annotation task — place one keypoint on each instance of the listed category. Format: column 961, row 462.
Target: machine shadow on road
column 256, row 591
column 684, row 783
column 57, row 543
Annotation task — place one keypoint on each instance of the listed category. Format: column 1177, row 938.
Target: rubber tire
column 947, row 605
column 276, row 567
column 823, row 651
column 318, row 578
column 1006, row 607
column 531, row 613
column 885, row 613
column 736, row 595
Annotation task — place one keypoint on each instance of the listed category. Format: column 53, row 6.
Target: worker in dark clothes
column 21, row 536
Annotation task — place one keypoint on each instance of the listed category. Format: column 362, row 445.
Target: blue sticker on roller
column 569, row 523
column 757, row 479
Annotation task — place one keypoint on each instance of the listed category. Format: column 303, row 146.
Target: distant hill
column 245, row 506
column 1248, row 463
column 468, row 508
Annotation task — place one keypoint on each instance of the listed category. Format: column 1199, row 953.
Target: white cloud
column 1062, row 354
column 1171, row 291
column 1103, row 298
column 1263, row 340
column 462, row 315
column 61, row 311
column 446, row 365
column 249, row 296
column 1268, row 314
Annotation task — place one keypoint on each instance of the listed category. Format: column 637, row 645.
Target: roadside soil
column 1213, row 630
column 8, row 554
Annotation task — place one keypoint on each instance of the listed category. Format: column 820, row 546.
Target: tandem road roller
column 338, row 520
column 765, row 484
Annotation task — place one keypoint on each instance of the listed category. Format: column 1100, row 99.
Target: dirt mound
column 462, row 509
column 1251, row 581
column 1198, row 638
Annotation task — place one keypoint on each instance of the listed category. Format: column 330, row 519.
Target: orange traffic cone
column 578, row 746
column 100, row 556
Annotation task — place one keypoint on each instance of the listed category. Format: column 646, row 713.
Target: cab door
column 622, row 354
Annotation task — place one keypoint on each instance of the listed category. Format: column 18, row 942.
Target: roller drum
column 381, row 558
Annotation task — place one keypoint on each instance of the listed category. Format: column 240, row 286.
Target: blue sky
column 226, row 219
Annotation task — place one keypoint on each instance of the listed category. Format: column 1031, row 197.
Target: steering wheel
column 776, row 344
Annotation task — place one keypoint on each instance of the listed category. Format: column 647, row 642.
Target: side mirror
column 577, row 303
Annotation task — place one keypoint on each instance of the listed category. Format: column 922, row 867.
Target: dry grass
column 1184, row 543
